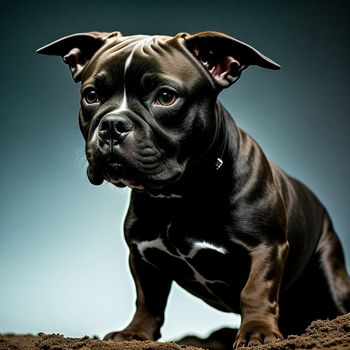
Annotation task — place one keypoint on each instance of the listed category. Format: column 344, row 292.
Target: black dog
column 207, row 209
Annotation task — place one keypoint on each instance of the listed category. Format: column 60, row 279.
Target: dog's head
column 148, row 102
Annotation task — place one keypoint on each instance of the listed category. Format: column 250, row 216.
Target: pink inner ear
column 73, row 57
column 76, row 61
column 220, row 67
column 226, row 66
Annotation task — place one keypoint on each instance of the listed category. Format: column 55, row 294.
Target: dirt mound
column 59, row 342
column 334, row 334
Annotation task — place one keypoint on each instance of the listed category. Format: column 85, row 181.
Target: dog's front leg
column 152, row 290
column 259, row 297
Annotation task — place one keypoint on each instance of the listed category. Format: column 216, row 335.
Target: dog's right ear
column 77, row 49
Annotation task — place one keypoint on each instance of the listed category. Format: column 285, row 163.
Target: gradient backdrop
column 63, row 260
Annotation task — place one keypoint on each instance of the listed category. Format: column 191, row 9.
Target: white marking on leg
column 156, row 243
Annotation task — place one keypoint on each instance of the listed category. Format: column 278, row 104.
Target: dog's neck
column 222, row 151
column 227, row 141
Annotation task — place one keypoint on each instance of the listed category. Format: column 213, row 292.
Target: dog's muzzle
column 105, row 154
column 112, row 130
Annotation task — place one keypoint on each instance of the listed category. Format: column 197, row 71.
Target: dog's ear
column 77, row 49
column 224, row 57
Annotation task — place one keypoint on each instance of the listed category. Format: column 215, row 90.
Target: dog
column 207, row 209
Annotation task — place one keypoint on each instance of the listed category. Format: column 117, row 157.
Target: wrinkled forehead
column 134, row 56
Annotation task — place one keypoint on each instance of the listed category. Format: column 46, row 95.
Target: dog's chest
column 207, row 269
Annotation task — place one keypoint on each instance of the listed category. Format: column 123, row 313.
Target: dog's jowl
column 207, row 209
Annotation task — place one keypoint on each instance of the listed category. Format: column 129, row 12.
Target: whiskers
column 82, row 162
column 81, row 158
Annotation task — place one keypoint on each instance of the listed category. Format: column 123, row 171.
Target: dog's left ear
column 224, row 57
column 77, row 49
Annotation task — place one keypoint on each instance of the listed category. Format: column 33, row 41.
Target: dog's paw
column 125, row 336
column 253, row 333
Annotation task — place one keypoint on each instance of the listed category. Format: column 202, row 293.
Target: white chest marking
column 196, row 247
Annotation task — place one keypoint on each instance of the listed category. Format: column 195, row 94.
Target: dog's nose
column 114, row 128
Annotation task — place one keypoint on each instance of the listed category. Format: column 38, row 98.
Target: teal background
column 63, row 260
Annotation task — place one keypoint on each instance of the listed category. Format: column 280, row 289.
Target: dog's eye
column 166, row 98
column 91, row 96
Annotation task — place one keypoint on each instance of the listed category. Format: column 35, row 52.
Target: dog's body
column 207, row 209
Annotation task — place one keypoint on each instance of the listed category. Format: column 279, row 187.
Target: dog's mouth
column 121, row 173
column 113, row 172
column 116, row 174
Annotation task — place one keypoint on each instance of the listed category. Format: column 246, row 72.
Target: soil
column 334, row 334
